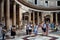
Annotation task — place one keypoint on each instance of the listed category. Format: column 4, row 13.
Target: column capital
column 19, row 6
column 37, row 12
column 13, row 2
column 29, row 11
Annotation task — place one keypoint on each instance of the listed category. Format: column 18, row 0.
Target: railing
column 40, row 7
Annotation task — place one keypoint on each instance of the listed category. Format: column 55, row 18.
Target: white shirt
column 44, row 25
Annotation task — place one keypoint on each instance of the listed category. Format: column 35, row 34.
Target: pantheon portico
column 12, row 13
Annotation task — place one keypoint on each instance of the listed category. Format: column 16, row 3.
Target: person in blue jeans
column 35, row 29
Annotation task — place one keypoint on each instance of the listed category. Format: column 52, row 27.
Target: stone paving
column 38, row 37
column 21, row 36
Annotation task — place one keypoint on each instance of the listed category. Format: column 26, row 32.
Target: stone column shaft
column 14, row 15
column 56, row 19
column 7, row 15
column 38, row 17
column 33, row 17
column 29, row 16
column 51, row 19
column 42, row 16
column 19, row 24
column 20, row 17
column 0, row 13
column 2, row 10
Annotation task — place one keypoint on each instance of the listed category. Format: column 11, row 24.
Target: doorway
column 47, row 18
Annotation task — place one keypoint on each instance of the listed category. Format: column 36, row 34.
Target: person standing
column 30, row 28
column 27, row 29
column 44, row 28
column 13, row 31
column 4, row 30
column 36, row 29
